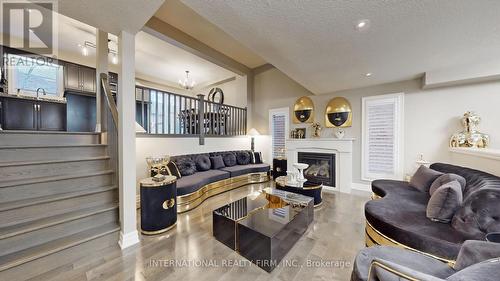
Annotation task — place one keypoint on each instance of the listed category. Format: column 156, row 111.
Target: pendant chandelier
column 187, row 83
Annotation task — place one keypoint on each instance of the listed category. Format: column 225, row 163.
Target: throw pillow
column 186, row 166
column 229, row 159
column 444, row 202
column 423, row 178
column 258, row 157
column 203, row 163
column 242, row 158
column 217, row 162
column 173, row 170
column 446, row 178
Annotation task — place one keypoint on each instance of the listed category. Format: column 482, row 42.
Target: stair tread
column 52, row 198
column 18, row 258
column 15, row 182
column 25, row 163
column 51, row 146
column 9, row 231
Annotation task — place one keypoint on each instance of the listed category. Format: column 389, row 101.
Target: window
column 29, row 73
column 278, row 125
column 382, row 136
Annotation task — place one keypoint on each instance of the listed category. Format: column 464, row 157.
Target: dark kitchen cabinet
column 81, row 113
column 71, row 76
column 88, row 79
column 51, row 116
column 79, row 78
column 24, row 114
column 18, row 114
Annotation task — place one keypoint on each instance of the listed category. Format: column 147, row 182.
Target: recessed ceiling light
column 369, row 74
column 362, row 24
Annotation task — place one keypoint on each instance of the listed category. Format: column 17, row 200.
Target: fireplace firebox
column 321, row 167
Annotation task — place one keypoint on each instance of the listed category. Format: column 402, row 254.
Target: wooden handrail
column 109, row 98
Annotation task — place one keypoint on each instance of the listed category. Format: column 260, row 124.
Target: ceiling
column 112, row 16
column 156, row 60
column 316, row 42
column 185, row 19
column 166, row 63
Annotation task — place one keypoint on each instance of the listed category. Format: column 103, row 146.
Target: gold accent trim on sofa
column 192, row 200
column 390, row 269
column 375, row 237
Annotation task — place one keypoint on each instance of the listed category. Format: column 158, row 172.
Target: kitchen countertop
column 22, row 97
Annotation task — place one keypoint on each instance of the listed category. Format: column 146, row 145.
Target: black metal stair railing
column 173, row 115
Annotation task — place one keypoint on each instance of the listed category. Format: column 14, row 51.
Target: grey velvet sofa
column 477, row 261
column 397, row 216
column 193, row 189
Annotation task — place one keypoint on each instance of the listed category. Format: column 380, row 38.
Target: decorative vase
column 339, row 133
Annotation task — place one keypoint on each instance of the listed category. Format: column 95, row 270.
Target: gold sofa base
column 375, row 237
column 192, row 200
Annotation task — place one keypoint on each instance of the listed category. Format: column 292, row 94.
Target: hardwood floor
column 335, row 236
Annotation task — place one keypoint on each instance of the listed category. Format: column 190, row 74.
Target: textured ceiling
column 156, row 60
column 111, row 16
column 185, row 19
column 316, row 43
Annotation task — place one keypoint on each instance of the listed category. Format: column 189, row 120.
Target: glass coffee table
column 263, row 226
column 306, row 188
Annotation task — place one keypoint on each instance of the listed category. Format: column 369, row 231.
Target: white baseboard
column 128, row 239
column 361, row 186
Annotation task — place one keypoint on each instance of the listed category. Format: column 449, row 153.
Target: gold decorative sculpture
column 338, row 113
column 470, row 136
column 316, row 130
column 303, row 111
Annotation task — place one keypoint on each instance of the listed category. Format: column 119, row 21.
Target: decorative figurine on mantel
column 470, row 136
column 317, row 130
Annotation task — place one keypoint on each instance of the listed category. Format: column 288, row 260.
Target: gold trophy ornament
column 470, row 136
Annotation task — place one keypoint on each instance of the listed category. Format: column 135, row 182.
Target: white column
column 101, row 67
column 126, row 139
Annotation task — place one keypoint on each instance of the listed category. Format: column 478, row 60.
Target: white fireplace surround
column 342, row 148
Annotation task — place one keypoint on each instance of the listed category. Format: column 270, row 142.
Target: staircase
column 57, row 191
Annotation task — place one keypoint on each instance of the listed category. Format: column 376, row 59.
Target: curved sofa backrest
column 193, row 156
column 475, row 179
column 480, row 211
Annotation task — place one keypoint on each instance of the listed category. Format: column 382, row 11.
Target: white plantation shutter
column 279, row 134
column 382, row 137
column 278, row 127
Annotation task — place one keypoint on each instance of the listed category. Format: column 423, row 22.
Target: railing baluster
column 245, row 122
column 163, row 117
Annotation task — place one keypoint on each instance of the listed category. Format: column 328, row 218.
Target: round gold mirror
column 303, row 110
column 338, row 113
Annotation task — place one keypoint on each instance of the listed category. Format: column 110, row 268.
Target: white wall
column 235, row 91
column 431, row 116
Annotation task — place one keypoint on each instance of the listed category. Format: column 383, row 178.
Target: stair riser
column 31, row 213
column 47, row 139
column 20, row 192
column 51, row 169
column 50, row 153
column 34, row 238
